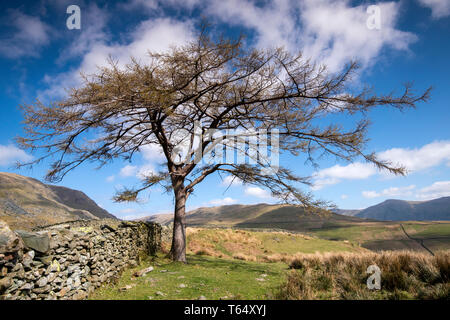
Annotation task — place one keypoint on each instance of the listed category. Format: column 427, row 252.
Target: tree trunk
column 178, row 250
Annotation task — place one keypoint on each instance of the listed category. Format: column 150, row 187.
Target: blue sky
column 40, row 56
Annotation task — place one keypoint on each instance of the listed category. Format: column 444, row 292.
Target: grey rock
column 5, row 283
column 27, row 286
column 42, row 282
column 36, row 241
column 9, row 241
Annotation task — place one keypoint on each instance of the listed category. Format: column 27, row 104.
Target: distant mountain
column 292, row 217
column 266, row 216
column 26, row 203
column 400, row 210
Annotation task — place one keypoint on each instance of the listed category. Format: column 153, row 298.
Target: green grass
column 259, row 245
column 290, row 244
column 429, row 230
column 389, row 236
column 210, row 277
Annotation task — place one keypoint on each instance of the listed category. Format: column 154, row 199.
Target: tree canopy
column 205, row 86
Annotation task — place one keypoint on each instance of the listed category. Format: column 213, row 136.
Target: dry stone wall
column 70, row 260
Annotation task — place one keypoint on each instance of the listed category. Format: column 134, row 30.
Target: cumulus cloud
column 90, row 35
column 390, row 192
column 414, row 160
column 11, row 154
column 128, row 171
column 331, row 32
column 328, row 31
column 146, row 170
column 337, row 173
column 152, row 156
column 231, row 180
column 257, row 192
column 439, row 8
column 153, row 153
column 222, row 202
column 436, row 190
column 29, row 34
column 150, row 35
column 417, row 159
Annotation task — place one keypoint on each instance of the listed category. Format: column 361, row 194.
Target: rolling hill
column 400, row 210
column 26, row 203
column 264, row 216
column 368, row 233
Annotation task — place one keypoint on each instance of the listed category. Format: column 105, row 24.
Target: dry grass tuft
column 404, row 275
column 243, row 256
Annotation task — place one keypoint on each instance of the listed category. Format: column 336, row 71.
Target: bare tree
column 211, row 85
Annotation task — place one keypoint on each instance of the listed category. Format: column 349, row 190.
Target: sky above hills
column 40, row 57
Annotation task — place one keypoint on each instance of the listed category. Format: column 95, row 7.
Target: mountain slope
column 288, row 217
column 368, row 233
column 400, row 210
column 79, row 200
column 26, row 203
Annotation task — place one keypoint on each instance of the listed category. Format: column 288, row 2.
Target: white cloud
column 110, row 178
column 150, row 35
column 152, row 152
column 29, row 36
column 257, row 192
column 90, row 34
column 11, row 154
column 139, row 4
column 430, row 155
column 231, row 180
column 391, row 192
column 128, row 171
column 152, row 156
column 414, row 160
column 439, row 8
column 136, row 171
column 145, row 170
column 436, row 190
column 344, row 196
column 328, row 31
column 222, row 202
column 337, row 173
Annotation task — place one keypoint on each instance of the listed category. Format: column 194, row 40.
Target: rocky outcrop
column 70, row 260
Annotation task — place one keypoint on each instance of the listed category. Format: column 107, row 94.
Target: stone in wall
column 70, row 260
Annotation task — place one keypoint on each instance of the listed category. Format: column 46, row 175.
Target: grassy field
column 404, row 275
column 222, row 264
column 243, row 264
column 370, row 234
column 259, row 245
column 212, row 278
column 389, row 235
